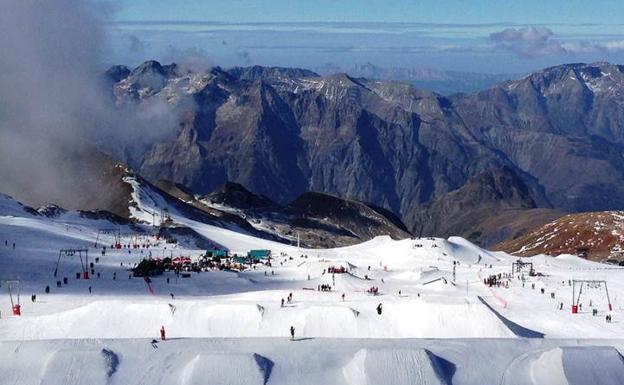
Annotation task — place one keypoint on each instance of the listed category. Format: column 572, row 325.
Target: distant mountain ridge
column 443, row 82
column 282, row 132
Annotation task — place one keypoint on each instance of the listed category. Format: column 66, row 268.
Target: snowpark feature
column 440, row 323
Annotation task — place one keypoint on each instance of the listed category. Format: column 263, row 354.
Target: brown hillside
column 597, row 235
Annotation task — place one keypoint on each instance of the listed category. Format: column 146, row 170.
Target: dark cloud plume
column 54, row 108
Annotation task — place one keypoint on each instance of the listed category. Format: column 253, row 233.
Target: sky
column 492, row 36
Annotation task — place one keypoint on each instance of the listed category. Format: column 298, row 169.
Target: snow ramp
column 231, row 369
column 329, row 322
column 79, row 366
column 398, row 367
column 568, row 365
column 518, row 330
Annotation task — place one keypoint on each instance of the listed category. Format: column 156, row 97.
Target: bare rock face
column 489, row 208
column 312, row 219
column 282, row 132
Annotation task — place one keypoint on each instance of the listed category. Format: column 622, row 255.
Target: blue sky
column 493, row 36
column 431, row 11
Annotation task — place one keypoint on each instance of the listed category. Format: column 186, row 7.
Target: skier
column 33, row 298
column 292, row 333
column 172, row 296
column 89, row 289
column 282, row 302
column 162, row 333
column 379, row 308
column 399, row 293
column 343, row 297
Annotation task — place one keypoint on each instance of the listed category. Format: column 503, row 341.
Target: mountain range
column 281, row 132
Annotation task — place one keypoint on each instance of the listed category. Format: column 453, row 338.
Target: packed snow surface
column 439, row 322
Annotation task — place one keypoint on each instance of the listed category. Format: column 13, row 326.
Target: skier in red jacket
column 162, row 333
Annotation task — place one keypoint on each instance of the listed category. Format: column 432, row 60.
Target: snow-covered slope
column 428, row 288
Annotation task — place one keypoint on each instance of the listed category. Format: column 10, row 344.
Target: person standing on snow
column 379, row 309
column 292, row 333
column 162, row 333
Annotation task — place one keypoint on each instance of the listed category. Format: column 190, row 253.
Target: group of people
column 495, row 280
column 324, row 287
column 289, row 299
column 374, row 290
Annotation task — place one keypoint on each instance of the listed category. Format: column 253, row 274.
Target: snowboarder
column 162, row 333
column 379, row 309
column 292, row 333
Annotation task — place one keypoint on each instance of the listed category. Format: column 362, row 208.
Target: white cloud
column 536, row 41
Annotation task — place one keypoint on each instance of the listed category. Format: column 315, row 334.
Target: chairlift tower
column 581, row 284
column 114, row 232
column 14, row 287
column 70, row 253
column 519, row 265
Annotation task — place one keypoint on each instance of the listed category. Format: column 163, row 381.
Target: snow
column 436, row 327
